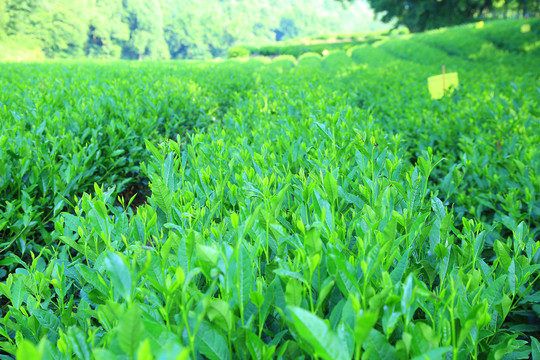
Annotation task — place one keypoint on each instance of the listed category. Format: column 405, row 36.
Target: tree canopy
column 420, row 15
column 162, row 29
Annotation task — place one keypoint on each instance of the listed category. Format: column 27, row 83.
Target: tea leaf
column 211, row 343
column 17, row 293
column 78, row 343
column 245, row 275
column 46, row 319
column 130, row 330
column 493, row 292
column 316, row 333
column 397, row 274
column 27, row 350
column 535, row 347
column 93, row 277
column 162, row 195
column 331, row 187
column 363, row 325
column 120, row 274
column 377, row 343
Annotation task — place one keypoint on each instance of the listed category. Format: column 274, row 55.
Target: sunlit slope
column 473, row 41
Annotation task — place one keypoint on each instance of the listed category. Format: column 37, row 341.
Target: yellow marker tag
column 442, row 84
column 479, row 24
column 525, row 28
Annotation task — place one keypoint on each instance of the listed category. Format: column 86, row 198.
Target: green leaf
column 438, row 207
column 434, row 354
column 234, row 220
column 257, row 298
column 17, row 293
column 312, row 241
column 278, row 200
column 103, row 354
column 93, row 278
column 493, row 292
column 475, row 316
column 535, row 347
column 154, row 151
column 120, row 274
column 78, row 343
column 80, row 249
column 400, row 268
column 294, row 292
column 208, row 256
column 211, row 343
column 479, row 244
column 251, row 220
column 512, row 276
column 101, row 209
column 364, row 324
column 345, row 276
column 145, row 351
column 109, row 314
column 245, row 275
column 257, row 348
column 327, row 286
column 331, row 187
column 47, row 319
column 325, row 130
column 502, row 254
column 27, row 350
column 130, row 330
column 219, row 313
column 317, row 334
column 268, row 301
column 162, row 195
column 378, row 344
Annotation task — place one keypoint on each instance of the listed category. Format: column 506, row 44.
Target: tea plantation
column 294, row 208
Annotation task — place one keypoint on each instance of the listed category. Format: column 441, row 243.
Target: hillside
column 497, row 34
column 276, row 208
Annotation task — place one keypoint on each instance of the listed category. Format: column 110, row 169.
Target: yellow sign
column 525, row 28
column 479, row 24
column 442, row 84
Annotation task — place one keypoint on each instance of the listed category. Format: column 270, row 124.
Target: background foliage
column 420, row 15
column 163, row 29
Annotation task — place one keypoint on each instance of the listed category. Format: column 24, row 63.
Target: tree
column 61, row 26
column 420, row 15
column 145, row 21
column 18, row 14
column 3, row 18
column 107, row 32
column 160, row 29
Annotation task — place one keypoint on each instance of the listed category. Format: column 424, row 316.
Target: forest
column 168, row 29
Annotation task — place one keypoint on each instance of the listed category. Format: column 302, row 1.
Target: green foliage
column 238, row 52
column 426, row 15
column 298, row 50
column 163, row 29
column 294, row 211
